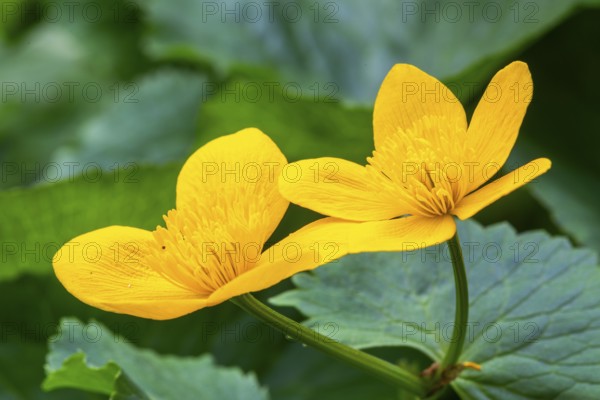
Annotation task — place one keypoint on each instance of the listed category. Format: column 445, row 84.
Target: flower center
column 423, row 166
column 205, row 246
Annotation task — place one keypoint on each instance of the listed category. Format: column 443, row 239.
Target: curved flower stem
column 375, row 366
column 461, row 316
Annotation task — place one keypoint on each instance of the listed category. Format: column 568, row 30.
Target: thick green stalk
column 461, row 316
column 376, row 367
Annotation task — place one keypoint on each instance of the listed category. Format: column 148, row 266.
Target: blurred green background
column 102, row 100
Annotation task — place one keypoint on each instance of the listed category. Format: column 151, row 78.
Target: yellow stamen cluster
column 422, row 166
column 208, row 243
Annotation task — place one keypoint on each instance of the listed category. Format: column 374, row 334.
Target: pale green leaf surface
column 534, row 318
column 42, row 97
column 56, row 75
column 352, row 43
column 149, row 120
column 86, row 356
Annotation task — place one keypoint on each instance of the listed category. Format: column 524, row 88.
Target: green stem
column 379, row 368
column 461, row 316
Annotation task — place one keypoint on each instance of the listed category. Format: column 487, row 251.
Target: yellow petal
column 233, row 180
column 329, row 239
column 317, row 243
column 491, row 192
column 496, row 121
column 338, row 188
column 107, row 269
column 406, row 96
column 401, row 234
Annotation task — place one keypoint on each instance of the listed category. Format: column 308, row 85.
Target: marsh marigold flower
column 211, row 249
column 428, row 165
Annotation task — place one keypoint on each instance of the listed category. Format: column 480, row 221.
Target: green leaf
column 316, row 375
column 231, row 336
column 534, row 317
column 566, row 132
column 91, row 358
column 571, row 195
column 152, row 120
column 38, row 220
column 302, row 128
column 66, row 64
column 349, row 44
column 40, row 105
column 75, row 373
column 127, row 390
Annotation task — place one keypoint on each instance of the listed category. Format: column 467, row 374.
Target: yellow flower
column 211, row 249
column 428, row 165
